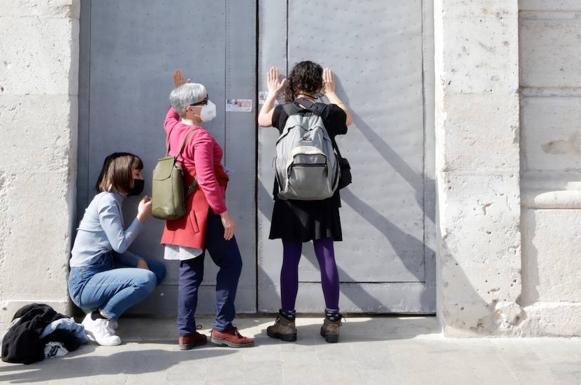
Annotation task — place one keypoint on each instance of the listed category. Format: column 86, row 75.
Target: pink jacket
column 201, row 158
column 202, row 153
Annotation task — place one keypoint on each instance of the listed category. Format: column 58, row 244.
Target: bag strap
column 167, row 140
column 335, row 147
column 183, row 142
column 187, row 137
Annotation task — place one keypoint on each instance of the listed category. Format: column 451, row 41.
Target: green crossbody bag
column 168, row 195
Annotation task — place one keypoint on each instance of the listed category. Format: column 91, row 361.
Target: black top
column 308, row 220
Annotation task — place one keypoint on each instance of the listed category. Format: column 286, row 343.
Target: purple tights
column 289, row 275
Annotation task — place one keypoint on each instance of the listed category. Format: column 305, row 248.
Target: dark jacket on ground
column 22, row 343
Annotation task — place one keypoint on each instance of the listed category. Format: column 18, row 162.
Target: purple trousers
column 289, row 275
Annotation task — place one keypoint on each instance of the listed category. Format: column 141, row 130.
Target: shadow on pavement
column 82, row 364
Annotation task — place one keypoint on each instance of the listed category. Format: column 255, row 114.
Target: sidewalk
column 402, row 351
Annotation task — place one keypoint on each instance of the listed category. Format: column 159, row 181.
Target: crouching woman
column 105, row 278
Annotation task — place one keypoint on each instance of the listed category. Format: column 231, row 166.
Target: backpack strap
column 306, row 103
column 291, row 108
column 335, row 146
column 301, row 105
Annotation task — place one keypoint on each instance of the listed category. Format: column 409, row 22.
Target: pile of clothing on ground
column 37, row 332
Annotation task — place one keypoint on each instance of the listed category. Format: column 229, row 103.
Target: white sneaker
column 98, row 331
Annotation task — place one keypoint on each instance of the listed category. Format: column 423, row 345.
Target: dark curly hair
column 305, row 76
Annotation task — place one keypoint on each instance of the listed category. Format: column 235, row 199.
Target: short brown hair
column 117, row 172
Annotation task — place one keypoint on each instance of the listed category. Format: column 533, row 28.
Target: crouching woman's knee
column 145, row 281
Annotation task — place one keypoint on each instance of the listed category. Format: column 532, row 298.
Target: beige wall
column 477, row 167
column 38, row 125
column 508, row 161
column 550, row 80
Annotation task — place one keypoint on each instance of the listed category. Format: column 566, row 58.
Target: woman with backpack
column 207, row 224
column 106, row 278
column 298, row 221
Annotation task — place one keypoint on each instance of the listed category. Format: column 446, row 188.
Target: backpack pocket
column 308, row 178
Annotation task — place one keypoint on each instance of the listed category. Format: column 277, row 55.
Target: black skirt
column 306, row 220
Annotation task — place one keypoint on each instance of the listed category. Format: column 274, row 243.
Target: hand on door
column 329, row 87
column 274, row 83
column 328, row 81
column 178, row 77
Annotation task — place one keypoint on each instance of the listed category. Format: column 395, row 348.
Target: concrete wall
column 38, row 125
column 477, row 166
column 550, row 80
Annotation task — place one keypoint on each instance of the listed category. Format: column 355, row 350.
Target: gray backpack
column 306, row 166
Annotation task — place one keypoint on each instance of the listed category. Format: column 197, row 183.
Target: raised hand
column 274, row 83
column 328, row 81
column 179, row 78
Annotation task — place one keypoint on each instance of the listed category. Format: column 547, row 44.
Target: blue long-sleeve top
column 102, row 230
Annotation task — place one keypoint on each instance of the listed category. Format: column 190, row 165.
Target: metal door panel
column 376, row 49
column 129, row 52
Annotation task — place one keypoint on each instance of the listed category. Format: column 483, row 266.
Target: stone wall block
column 550, row 54
column 552, row 245
column 553, row 133
column 41, row 8
column 483, row 216
column 41, row 58
column 37, row 128
column 36, row 245
column 553, row 5
column 479, row 134
column 479, row 260
column 479, row 53
column 552, row 319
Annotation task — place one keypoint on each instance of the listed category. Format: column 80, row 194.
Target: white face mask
column 208, row 112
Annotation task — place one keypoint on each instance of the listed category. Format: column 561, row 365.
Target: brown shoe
column 330, row 330
column 231, row 338
column 283, row 329
column 190, row 342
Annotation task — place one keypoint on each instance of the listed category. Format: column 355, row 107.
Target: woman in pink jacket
column 207, row 224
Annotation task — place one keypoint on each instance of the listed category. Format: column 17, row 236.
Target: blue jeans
column 226, row 256
column 113, row 284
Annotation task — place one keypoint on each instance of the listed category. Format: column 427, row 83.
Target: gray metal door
column 381, row 51
column 128, row 52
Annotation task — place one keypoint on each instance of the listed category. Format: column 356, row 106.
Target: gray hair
column 185, row 95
